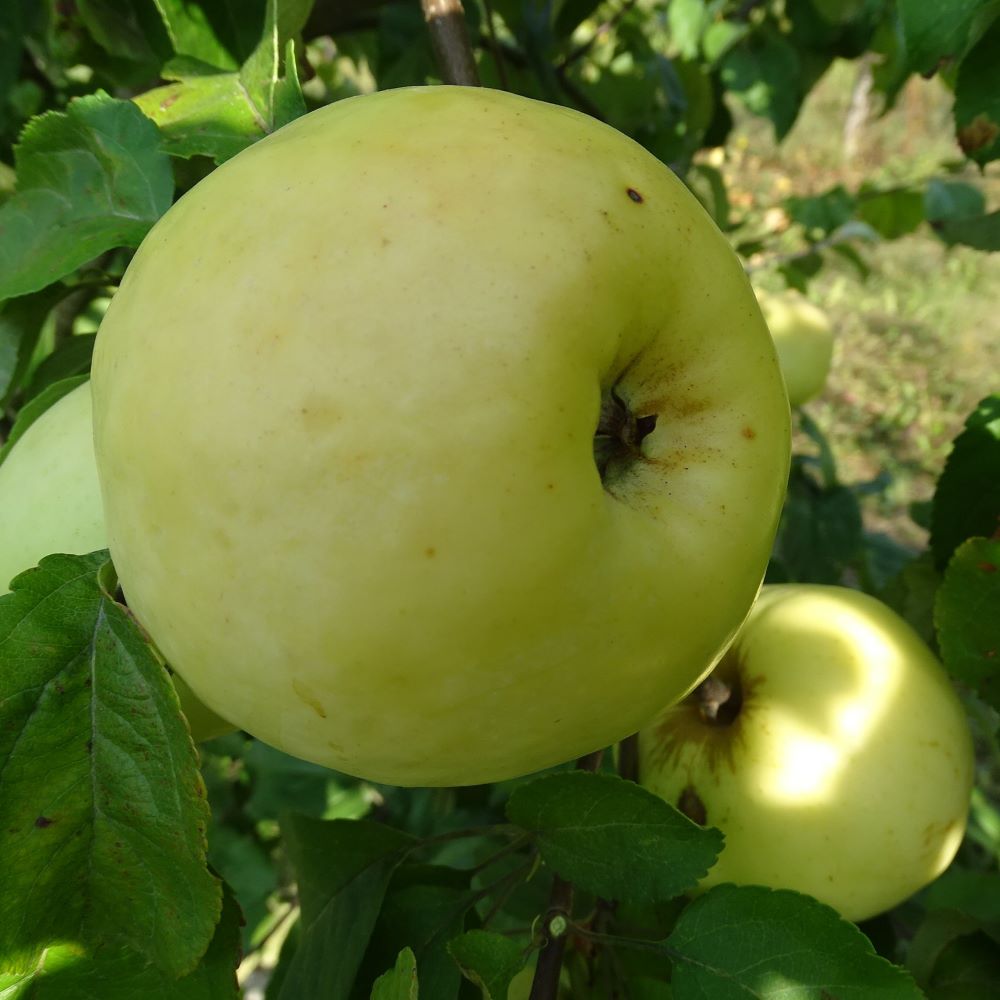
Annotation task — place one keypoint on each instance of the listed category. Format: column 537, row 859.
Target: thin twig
column 450, row 39
column 545, row 985
column 846, row 234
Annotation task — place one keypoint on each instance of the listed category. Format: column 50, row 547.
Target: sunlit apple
column 828, row 746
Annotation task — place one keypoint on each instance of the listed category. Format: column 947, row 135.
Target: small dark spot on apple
column 550, row 486
column 749, row 433
column 689, row 802
column 635, row 196
column 988, row 567
column 43, row 821
column 430, row 552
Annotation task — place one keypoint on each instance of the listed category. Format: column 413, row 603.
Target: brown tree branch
column 450, row 40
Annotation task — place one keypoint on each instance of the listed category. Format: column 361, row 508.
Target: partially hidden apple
column 803, row 337
column 440, row 436
column 828, row 746
column 50, row 501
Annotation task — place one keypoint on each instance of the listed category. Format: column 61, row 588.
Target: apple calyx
column 619, row 433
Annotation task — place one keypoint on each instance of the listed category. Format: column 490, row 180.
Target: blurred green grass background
column 918, row 341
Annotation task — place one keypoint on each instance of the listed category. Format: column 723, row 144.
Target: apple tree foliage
column 132, row 866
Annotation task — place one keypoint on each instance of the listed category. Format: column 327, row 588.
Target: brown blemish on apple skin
column 749, row 433
column 430, row 552
column 689, row 802
column 678, row 405
column 635, row 196
column 308, row 698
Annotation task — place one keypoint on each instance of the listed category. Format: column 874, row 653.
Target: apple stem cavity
column 719, row 701
column 619, row 434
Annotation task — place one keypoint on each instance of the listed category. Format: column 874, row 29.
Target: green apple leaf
column 911, row 594
column 276, row 99
column 977, row 99
column 938, row 930
column 892, row 213
column 941, row 32
column 400, row 982
column 248, row 869
column 12, row 29
column 102, row 806
column 687, row 21
column 128, row 29
column 968, row 968
column 21, row 322
column 343, row 868
column 821, row 214
column 90, row 179
column 203, row 114
column 945, row 200
column 967, row 499
column 489, row 961
column 965, row 615
column 957, row 213
column 70, row 359
column 820, row 532
column 746, row 941
column 29, row 413
column 764, row 72
column 975, row 894
column 981, row 232
column 721, row 37
column 612, row 837
column 424, row 909
column 68, row 972
column 192, row 33
column 281, row 783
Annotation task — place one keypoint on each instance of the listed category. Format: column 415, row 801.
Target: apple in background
column 828, row 746
column 50, row 501
column 49, row 494
column 804, row 340
column 440, row 437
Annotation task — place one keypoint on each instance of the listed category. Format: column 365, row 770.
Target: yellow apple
column 50, row 501
column 828, row 746
column 440, row 436
column 804, row 340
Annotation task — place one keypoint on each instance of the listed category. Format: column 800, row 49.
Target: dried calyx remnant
column 719, row 696
column 619, row 433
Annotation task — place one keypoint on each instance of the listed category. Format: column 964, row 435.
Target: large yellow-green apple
column 828, row 746
column 440, row 435
column 50, row 501
column 803, row 337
